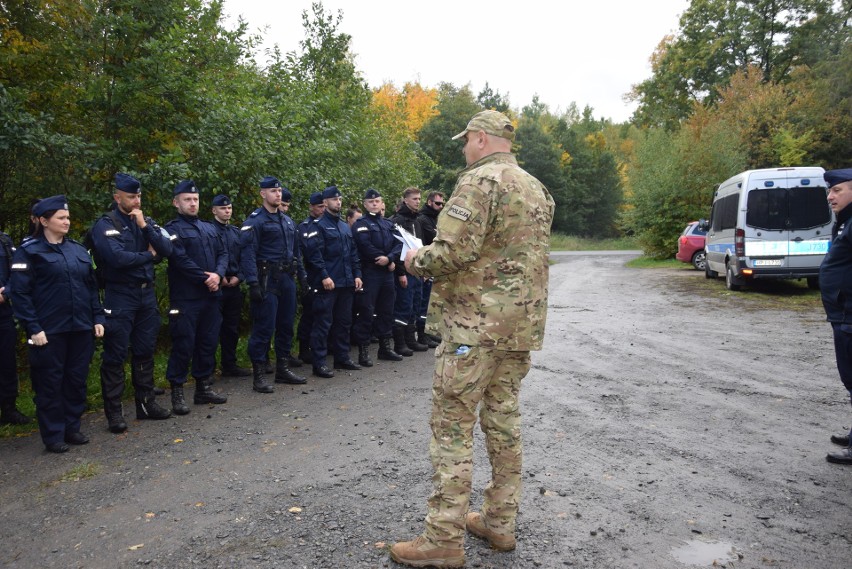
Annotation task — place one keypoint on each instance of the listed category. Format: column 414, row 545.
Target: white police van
column 769, row 224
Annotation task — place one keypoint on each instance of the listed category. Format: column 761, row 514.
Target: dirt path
column 663, row 428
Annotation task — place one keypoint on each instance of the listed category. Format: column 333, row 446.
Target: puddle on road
column 705, row 552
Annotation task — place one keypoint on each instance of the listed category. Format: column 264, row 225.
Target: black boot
column 385, row 351
column 284, row 375
column 235, row 371
column 399, row 341
column 294, row 362
column 204, row 393
column 148, row 408
column 9, row 414
column 364, row 356
column 259, row 382
column 424, row 338
column 179, row 406
column 411, row 340
column 112, row 387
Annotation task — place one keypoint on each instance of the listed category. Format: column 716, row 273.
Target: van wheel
column 813, row 283
column 730, row 279
column 708, row 274
column 698, row 260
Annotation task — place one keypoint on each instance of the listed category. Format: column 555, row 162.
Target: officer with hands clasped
column 197, row 266
column 378, row 249
column 126, row 245
column 231, row 301
column 270, row 256
column 55, row 298
column 334, row 272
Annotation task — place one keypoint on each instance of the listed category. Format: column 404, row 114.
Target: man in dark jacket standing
column 408, row 287
column 128, row 244
column 197, row 265
column 427, row 226
column 334, row 272
column 835, row 279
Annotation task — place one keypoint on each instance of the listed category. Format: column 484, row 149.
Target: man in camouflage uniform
column 489, row 304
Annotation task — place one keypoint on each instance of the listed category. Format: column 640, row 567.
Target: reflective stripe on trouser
column 459, row 384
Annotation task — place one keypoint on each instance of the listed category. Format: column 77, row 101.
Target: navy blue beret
column 371, row 194
column 127, row 183
column 221, row 200
column 330, row 192
column 52, row 203
column 834, row 177
column 286, row 196
column 186, row 187
column 270, row 182
column 316, row 198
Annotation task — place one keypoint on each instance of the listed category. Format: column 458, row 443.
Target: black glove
column 255, row 293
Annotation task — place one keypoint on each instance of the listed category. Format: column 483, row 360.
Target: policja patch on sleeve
column 459, row 212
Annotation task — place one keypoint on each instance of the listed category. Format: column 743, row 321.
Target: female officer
column 55, row 299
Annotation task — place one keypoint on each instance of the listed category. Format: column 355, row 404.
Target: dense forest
column 166, row 91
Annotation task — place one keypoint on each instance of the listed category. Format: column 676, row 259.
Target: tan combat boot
column 476, row 525
column 421, row 553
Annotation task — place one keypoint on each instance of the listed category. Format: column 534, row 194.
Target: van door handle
column 798, row 239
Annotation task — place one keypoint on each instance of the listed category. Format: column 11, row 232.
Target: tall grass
column 562, row 242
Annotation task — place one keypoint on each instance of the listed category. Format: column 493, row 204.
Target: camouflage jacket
column 490, row 258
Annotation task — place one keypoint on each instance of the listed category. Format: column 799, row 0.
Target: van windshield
column 787, row 209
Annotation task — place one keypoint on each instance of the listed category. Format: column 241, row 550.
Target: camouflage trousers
column 491, row 380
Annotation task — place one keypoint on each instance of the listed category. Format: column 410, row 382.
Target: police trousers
column 231, row 307
column 375, row 307
column 276, row 313
column 58, row 371
column 489, row 380
column 194, row 328
column 8, row 364
column 332, row 323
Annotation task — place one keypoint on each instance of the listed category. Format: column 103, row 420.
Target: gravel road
column 667, row 424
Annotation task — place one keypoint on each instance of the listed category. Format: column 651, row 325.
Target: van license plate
column 768, row 262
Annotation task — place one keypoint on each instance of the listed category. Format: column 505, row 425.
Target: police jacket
column 374, row 237
column 124, row 252
column 230, row 235
column 427, row 224
column 303, row 229
column 835, row 273
column 331, row 253
column 53, row 288
column 7, row 250
column 490, row 258
column 268, row 237
column 197, row 249
column 406, row 219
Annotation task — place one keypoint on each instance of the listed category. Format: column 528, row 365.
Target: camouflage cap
column 490, row 122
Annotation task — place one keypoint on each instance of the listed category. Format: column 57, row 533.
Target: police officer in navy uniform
column 377, row 248
column 231, row 301
column 306, row 322
column 270, row 253
column 55, row 298
column 334, row 272
column 9, row 414
column 197, row 266
column 835, row 280
column 128, row 243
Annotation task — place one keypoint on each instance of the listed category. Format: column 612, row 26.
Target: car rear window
column 787, row 208
column 696, row 230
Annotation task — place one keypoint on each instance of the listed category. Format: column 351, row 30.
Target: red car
column 690, row 246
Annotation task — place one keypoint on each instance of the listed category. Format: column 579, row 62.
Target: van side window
column 725, row 213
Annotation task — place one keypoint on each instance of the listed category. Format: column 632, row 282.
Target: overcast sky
column 588, row 52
